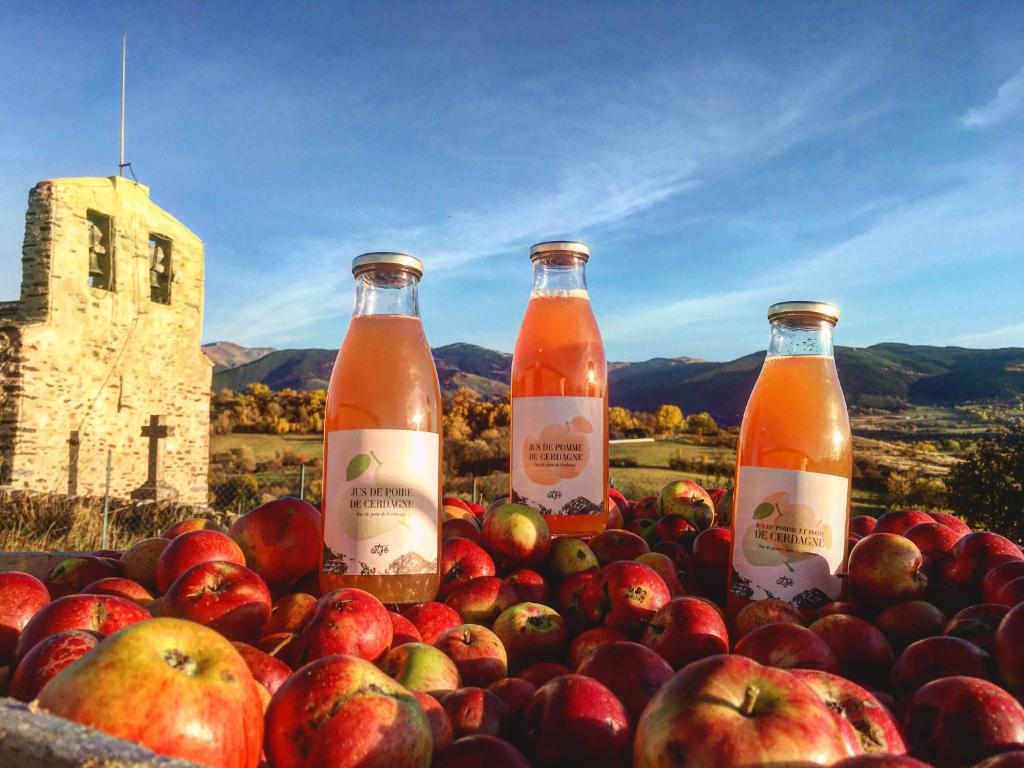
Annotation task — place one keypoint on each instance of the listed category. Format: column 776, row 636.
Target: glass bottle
column 559, row 443
column 794, row 468
column 382, row 442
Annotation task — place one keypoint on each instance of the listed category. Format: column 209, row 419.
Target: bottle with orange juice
column 382, row 442
column 794, row 467
column 559, row 445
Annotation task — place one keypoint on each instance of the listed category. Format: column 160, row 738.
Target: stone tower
column 103, row 350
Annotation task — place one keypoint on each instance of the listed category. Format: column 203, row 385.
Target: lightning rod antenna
column 124, row 51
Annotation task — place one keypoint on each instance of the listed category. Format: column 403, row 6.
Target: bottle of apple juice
column 559, row 450
column 793, row 470
column 382, row 442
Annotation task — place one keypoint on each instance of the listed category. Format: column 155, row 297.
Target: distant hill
column 881, row 376
column 226, row 354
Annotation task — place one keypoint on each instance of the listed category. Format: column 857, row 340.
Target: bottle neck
column 559, row 274
column 387, row 292
column 800, row 336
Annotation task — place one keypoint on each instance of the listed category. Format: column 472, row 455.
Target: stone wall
column 81, row 359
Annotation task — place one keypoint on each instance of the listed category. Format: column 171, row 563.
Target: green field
column 266, row 447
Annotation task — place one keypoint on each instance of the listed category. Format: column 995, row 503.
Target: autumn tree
column 987, row 487
column 668, row 419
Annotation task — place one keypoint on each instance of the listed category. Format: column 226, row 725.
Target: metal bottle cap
column 366, row 261
column 820, row 309
column 560, row 246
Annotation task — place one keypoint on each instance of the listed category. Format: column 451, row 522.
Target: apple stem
column 379, row 462
column 749, row 700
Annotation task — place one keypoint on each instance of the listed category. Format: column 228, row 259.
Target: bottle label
column 790, row 538
column 381, row 502
column 558, row 454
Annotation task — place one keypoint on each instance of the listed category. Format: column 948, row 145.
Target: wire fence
column 238, row 492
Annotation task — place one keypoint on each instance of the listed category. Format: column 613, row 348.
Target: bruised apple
column 49, row 657
column 22, row 596
column 348, row 621
column 105, row 614
column 229, row 598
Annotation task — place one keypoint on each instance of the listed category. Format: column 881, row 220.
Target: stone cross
column 154, row 487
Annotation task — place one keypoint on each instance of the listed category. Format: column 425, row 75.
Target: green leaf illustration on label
column 382, row 500
column 763, row 510
column 356, row 466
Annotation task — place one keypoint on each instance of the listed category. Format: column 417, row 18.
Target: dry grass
column 37, row 522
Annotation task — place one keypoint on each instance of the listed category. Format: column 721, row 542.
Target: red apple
column 686, row 629
column 347, row 621
column 973, row 556
column 977, row 623
column 879, row 760
column 22, row 596
column 421, row 667
column 531, row 632
column 711, row 562
column 529, row 585
column 935, row 541
column 864, row 654
column 266, row 670
column 223, row 596
column 788, row 646
column 476, row 751
column 760, row 612
column 937, row 657
column 281, row 539
column 175, row 530
column 676, row 552
column 631, row 671
column 1013, row 759
column 903, row 623
column 290, row 613
column 959, row 721
column 460, row 528
column 613, row 544
column 1008, row 646
column 478, row 653
column 431, row 619
column 100, row 613
column 517, row 535
column 569, row 599
column 588, row 641
column 515, row 692
column 1011, row 593
column 570, row 556
column 575, row 720
column 951, row 521
column 873, row 725
column 343, row 712
column 901, row 522
column 838, row 606
column 689, row 500
column 116, row 585
column 139, row 561
column 481, row 600
column 677, row 529
column 999, row 575
column 403, row 630
column 123, row 687
column 647, row 507
column 664, row 567
column 474, row 711
column 543, row 672
column 732, row 711
column 440, row 725
column 49, row 657
column 192, row 548
column 886, row 568
column 461, row 561
column 455, row 501
column 643, row 528
column 73, row 573
column 624, row 596
column 862, row 525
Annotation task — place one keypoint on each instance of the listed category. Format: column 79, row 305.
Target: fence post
column 106, row 500
column 302, row 481
column 474, row 491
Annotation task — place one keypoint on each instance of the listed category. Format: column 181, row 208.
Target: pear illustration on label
column 784, row 533
column 560, row 452
column 378, row 504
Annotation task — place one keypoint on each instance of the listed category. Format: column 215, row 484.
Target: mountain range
column 888, row 375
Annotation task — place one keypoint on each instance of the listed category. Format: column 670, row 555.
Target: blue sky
column 717, row 157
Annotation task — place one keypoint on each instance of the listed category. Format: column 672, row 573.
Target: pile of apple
column 214, row 646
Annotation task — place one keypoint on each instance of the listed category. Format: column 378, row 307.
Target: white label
column 558, row 454
column 789, row 535
column 381, row 502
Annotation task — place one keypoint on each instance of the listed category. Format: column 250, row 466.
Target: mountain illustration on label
column 560, row 452
column 367, row 514
column 784, row 533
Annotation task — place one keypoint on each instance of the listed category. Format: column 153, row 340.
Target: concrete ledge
column 31, row 738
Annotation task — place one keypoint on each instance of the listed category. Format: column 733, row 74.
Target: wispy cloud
column 1009, row 335
column 1008, row 102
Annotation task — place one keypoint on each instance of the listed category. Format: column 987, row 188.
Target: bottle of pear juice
column 794, row 468
column 559, row 443
column 382, row 442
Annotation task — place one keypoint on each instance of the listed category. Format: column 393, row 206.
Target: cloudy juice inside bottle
column 794, row 468
column 559, row 444
column 382, row 443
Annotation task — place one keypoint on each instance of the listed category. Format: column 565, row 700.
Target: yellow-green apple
column 281, row 539
column 570, row 556
column 22, row 596
column 517, row 536
column 624, row 596
column 481, row 600
column 644, row 528
column 936, row 657
column 100, row 613
column 529, row 585
column 47, row 658
column 576, row 720
column 760, row 612
column 711, row 562
column 175, row 687
column 787, row 646
column 1008, row 646
column 266, row 670
column 872, row 723
column 120, row 586
column 730, row 710
column 631, row 671
column 192, row 548
column 904, row 623
column 864, row 653
column 686, row 629
column 477, row 652
column 999, row 575
column 431, row 619
column 421, row 667
column 229, row 598
column 476, row 751
column 345, row 621
column 687, row 499
column 664, row 567
column 139, row 561
column 542, row 672
column 615, row 544
column 977, row 623
column 440, row 725
column 73, row 573
column 901, row 521
column 474, row 711
column 723, row 506
column 341, row 711
column 588, row 641
column 531, row 632
column 886, row 568
column 462, row 560
column 403, row 630
column 958, row 721
column 972, row 557
column 290, row 613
